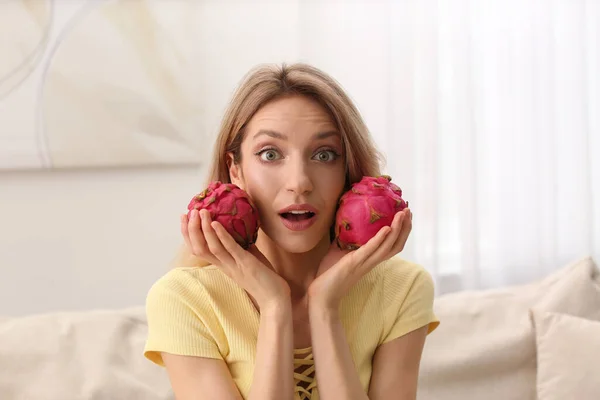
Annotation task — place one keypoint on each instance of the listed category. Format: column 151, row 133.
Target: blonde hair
column 265, row 83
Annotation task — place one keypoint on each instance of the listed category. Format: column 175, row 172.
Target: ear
column 235, row 171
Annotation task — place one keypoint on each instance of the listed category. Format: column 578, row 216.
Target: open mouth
column 295, row 216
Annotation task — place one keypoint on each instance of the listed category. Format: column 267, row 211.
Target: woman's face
column 293, row 168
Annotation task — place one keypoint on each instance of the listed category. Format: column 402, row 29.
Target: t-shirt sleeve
column 409, row 295
column 180, row 320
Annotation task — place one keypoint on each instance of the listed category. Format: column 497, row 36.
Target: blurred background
column 488, row 113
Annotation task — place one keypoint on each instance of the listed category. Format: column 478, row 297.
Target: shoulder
column 400, row 276
column 191, row 278
column 182, row 316
column 190, row 285
column 408, row 297
column 395, row 279
column 407, row 286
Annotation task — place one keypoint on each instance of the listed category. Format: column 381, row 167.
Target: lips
column 298, row 217
column 298, row 208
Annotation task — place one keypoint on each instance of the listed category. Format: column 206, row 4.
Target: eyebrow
column 277, row 135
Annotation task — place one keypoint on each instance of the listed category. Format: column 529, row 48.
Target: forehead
column 293, row 113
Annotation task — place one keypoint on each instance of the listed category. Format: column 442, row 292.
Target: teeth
column 299, row 212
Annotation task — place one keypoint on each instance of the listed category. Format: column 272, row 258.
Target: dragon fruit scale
column 363, row 210
column 232, row 207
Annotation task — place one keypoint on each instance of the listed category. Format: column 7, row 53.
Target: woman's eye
column 326, row 155
column 269, row 155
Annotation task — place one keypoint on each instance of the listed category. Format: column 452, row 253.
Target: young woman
column 292, row 310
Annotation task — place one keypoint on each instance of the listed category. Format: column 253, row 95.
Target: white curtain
column 499, row 102
column 489, row 114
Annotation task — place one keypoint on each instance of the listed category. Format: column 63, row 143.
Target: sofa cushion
column 79, row 355
column 568, row 350
column 485, row 347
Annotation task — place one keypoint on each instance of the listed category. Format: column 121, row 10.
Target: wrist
column 323, row 309
column 279, row 308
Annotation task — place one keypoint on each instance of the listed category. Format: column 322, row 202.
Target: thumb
column 364, row 252
column 259, row 255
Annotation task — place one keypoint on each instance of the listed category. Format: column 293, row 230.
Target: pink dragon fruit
column 364, row 209
column 232, row 207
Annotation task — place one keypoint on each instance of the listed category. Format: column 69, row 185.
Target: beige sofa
column 539, row 341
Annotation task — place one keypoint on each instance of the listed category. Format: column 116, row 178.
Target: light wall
column 78, row 240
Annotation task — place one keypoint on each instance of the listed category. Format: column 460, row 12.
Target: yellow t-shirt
column 202, row 312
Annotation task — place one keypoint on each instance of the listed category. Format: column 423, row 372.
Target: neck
column 298, row 269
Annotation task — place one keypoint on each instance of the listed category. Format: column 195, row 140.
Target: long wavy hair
column 265, row 83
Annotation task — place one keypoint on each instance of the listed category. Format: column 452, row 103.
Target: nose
column 297, row 178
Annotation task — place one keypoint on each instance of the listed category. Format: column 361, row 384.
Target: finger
column 194, row 239
column 396, row 225
column 196, row 236
column 213, row 241
column 404, row 233
column 184, row 230
column 235, row 250
column 364, row 252
column 382, row 252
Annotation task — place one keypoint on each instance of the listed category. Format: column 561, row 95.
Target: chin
column 298, row 242
column 297, row 245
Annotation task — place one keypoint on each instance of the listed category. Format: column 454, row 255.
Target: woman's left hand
column 341, row 269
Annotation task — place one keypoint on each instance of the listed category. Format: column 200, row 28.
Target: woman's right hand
column 250, row 269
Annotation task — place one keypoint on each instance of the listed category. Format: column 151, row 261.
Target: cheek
column 333, row 187
column 261, row 183
column 259, row 177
